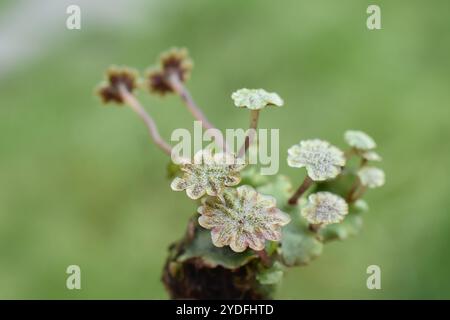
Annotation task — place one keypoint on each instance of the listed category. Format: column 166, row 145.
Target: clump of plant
column 246, row 228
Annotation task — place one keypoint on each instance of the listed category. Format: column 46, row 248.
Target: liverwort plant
column 321, row 160
column 247, row 228
column 324, row 208
column 242, row 218
column 208, row 174
column 254, row 100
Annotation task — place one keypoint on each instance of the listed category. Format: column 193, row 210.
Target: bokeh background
column 81, row 184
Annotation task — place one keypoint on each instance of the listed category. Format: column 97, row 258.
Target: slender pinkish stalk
column 185, row 95
column 254, row 116
column 179, row 88
column 264, row 257
column 136, row 106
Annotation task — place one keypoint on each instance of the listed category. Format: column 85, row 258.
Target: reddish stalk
column 264, row 257
column 254, row 116
column 300, row 191
column 178, row 87
column 136, row 106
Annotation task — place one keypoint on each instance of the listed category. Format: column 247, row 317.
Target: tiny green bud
column 371, row 156
column 371, row 177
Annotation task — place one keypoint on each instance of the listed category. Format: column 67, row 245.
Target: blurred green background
column 81, row 184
